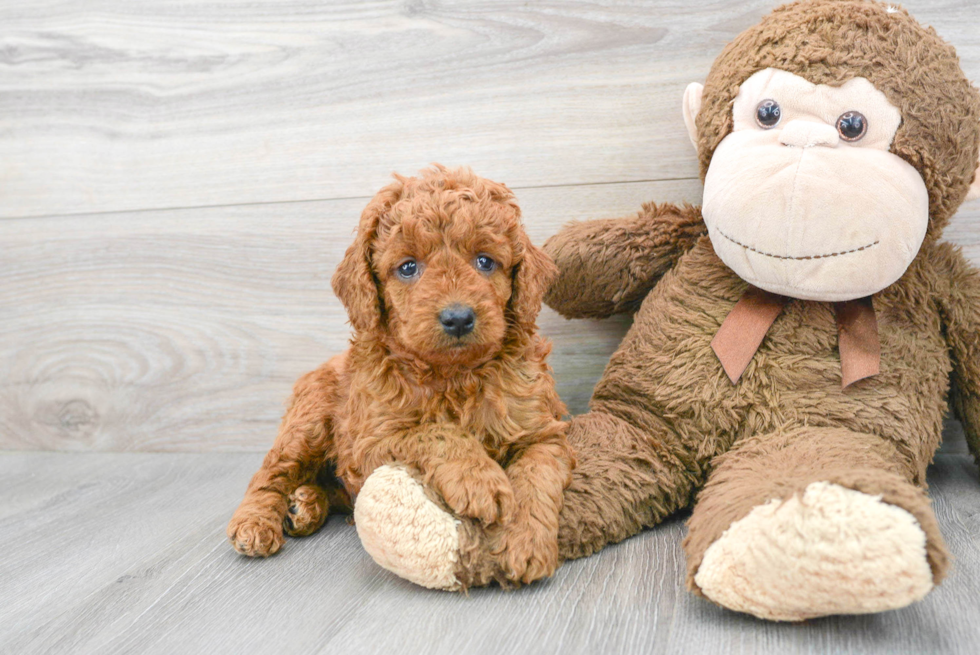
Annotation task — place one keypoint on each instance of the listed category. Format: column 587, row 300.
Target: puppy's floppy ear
column 355, row 282
column 533, row 274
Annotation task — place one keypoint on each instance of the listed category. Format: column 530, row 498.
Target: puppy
column 445, row 373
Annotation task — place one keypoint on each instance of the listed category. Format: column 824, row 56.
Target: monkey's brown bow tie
column 746, row 326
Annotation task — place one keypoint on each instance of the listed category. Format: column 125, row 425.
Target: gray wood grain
column 112, row 105
column 125, row 553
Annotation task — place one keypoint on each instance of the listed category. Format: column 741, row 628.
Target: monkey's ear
column 692, row 105
column 974, row 192
column 354, row 282
column 532, row 277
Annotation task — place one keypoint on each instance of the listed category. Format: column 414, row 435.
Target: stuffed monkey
column 795, row 339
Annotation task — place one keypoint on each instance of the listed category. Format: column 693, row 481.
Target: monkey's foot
column 405, row 531
column 828, row 551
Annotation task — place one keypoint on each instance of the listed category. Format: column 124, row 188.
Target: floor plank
column 125, row 553
column 113, row 105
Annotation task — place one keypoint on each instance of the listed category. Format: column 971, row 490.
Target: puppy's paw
column 527, row 551
column 307, row 511
column 478, row 489
column 255, row 535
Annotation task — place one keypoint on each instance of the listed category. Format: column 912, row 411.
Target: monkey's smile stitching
column 769, row 254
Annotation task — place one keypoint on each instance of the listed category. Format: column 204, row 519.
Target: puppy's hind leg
column 310, row 504
column 301, row 449
column 308, row 508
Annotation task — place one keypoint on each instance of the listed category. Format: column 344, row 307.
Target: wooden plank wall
column 178, row 181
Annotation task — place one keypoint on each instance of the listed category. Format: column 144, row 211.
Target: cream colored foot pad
column 404, row 531
column 831, row 551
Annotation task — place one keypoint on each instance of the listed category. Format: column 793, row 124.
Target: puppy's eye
column 767, row 114
column 852, row 126
column 485, row 264
column 408, row 269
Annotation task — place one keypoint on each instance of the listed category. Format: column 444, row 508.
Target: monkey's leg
column 626, row 479
column 812, row 522
column 299, row 452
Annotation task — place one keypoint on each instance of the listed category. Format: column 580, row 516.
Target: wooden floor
column 125, row 553
column 178, row 181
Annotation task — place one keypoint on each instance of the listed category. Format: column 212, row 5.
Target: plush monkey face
column 803, row 197
column 835, row 138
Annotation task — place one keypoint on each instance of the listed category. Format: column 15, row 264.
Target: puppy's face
column 446, row 270
column 442, row 270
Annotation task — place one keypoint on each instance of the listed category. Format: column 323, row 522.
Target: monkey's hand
column 608, row 266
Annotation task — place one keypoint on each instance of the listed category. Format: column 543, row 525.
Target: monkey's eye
column 408, row 269
column 852, row 125
column 485, row 264
column 767, row 114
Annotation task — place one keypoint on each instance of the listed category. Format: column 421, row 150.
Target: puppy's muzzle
column 457, row 320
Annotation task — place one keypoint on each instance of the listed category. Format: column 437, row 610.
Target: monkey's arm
column 608, row 266
column 960, row 304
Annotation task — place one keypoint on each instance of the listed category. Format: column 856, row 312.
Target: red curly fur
column 478, row 416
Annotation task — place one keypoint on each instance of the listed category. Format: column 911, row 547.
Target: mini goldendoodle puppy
column 446, row 374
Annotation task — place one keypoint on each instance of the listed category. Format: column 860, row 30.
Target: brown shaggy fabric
column 833, row 41
column 477, row 415
column 959, row 306
column 636, row 252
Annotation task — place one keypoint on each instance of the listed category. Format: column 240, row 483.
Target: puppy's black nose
column 457, row 320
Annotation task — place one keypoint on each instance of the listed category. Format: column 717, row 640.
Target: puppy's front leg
column 527, row 547
column 305, row 437
column 455, row 465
